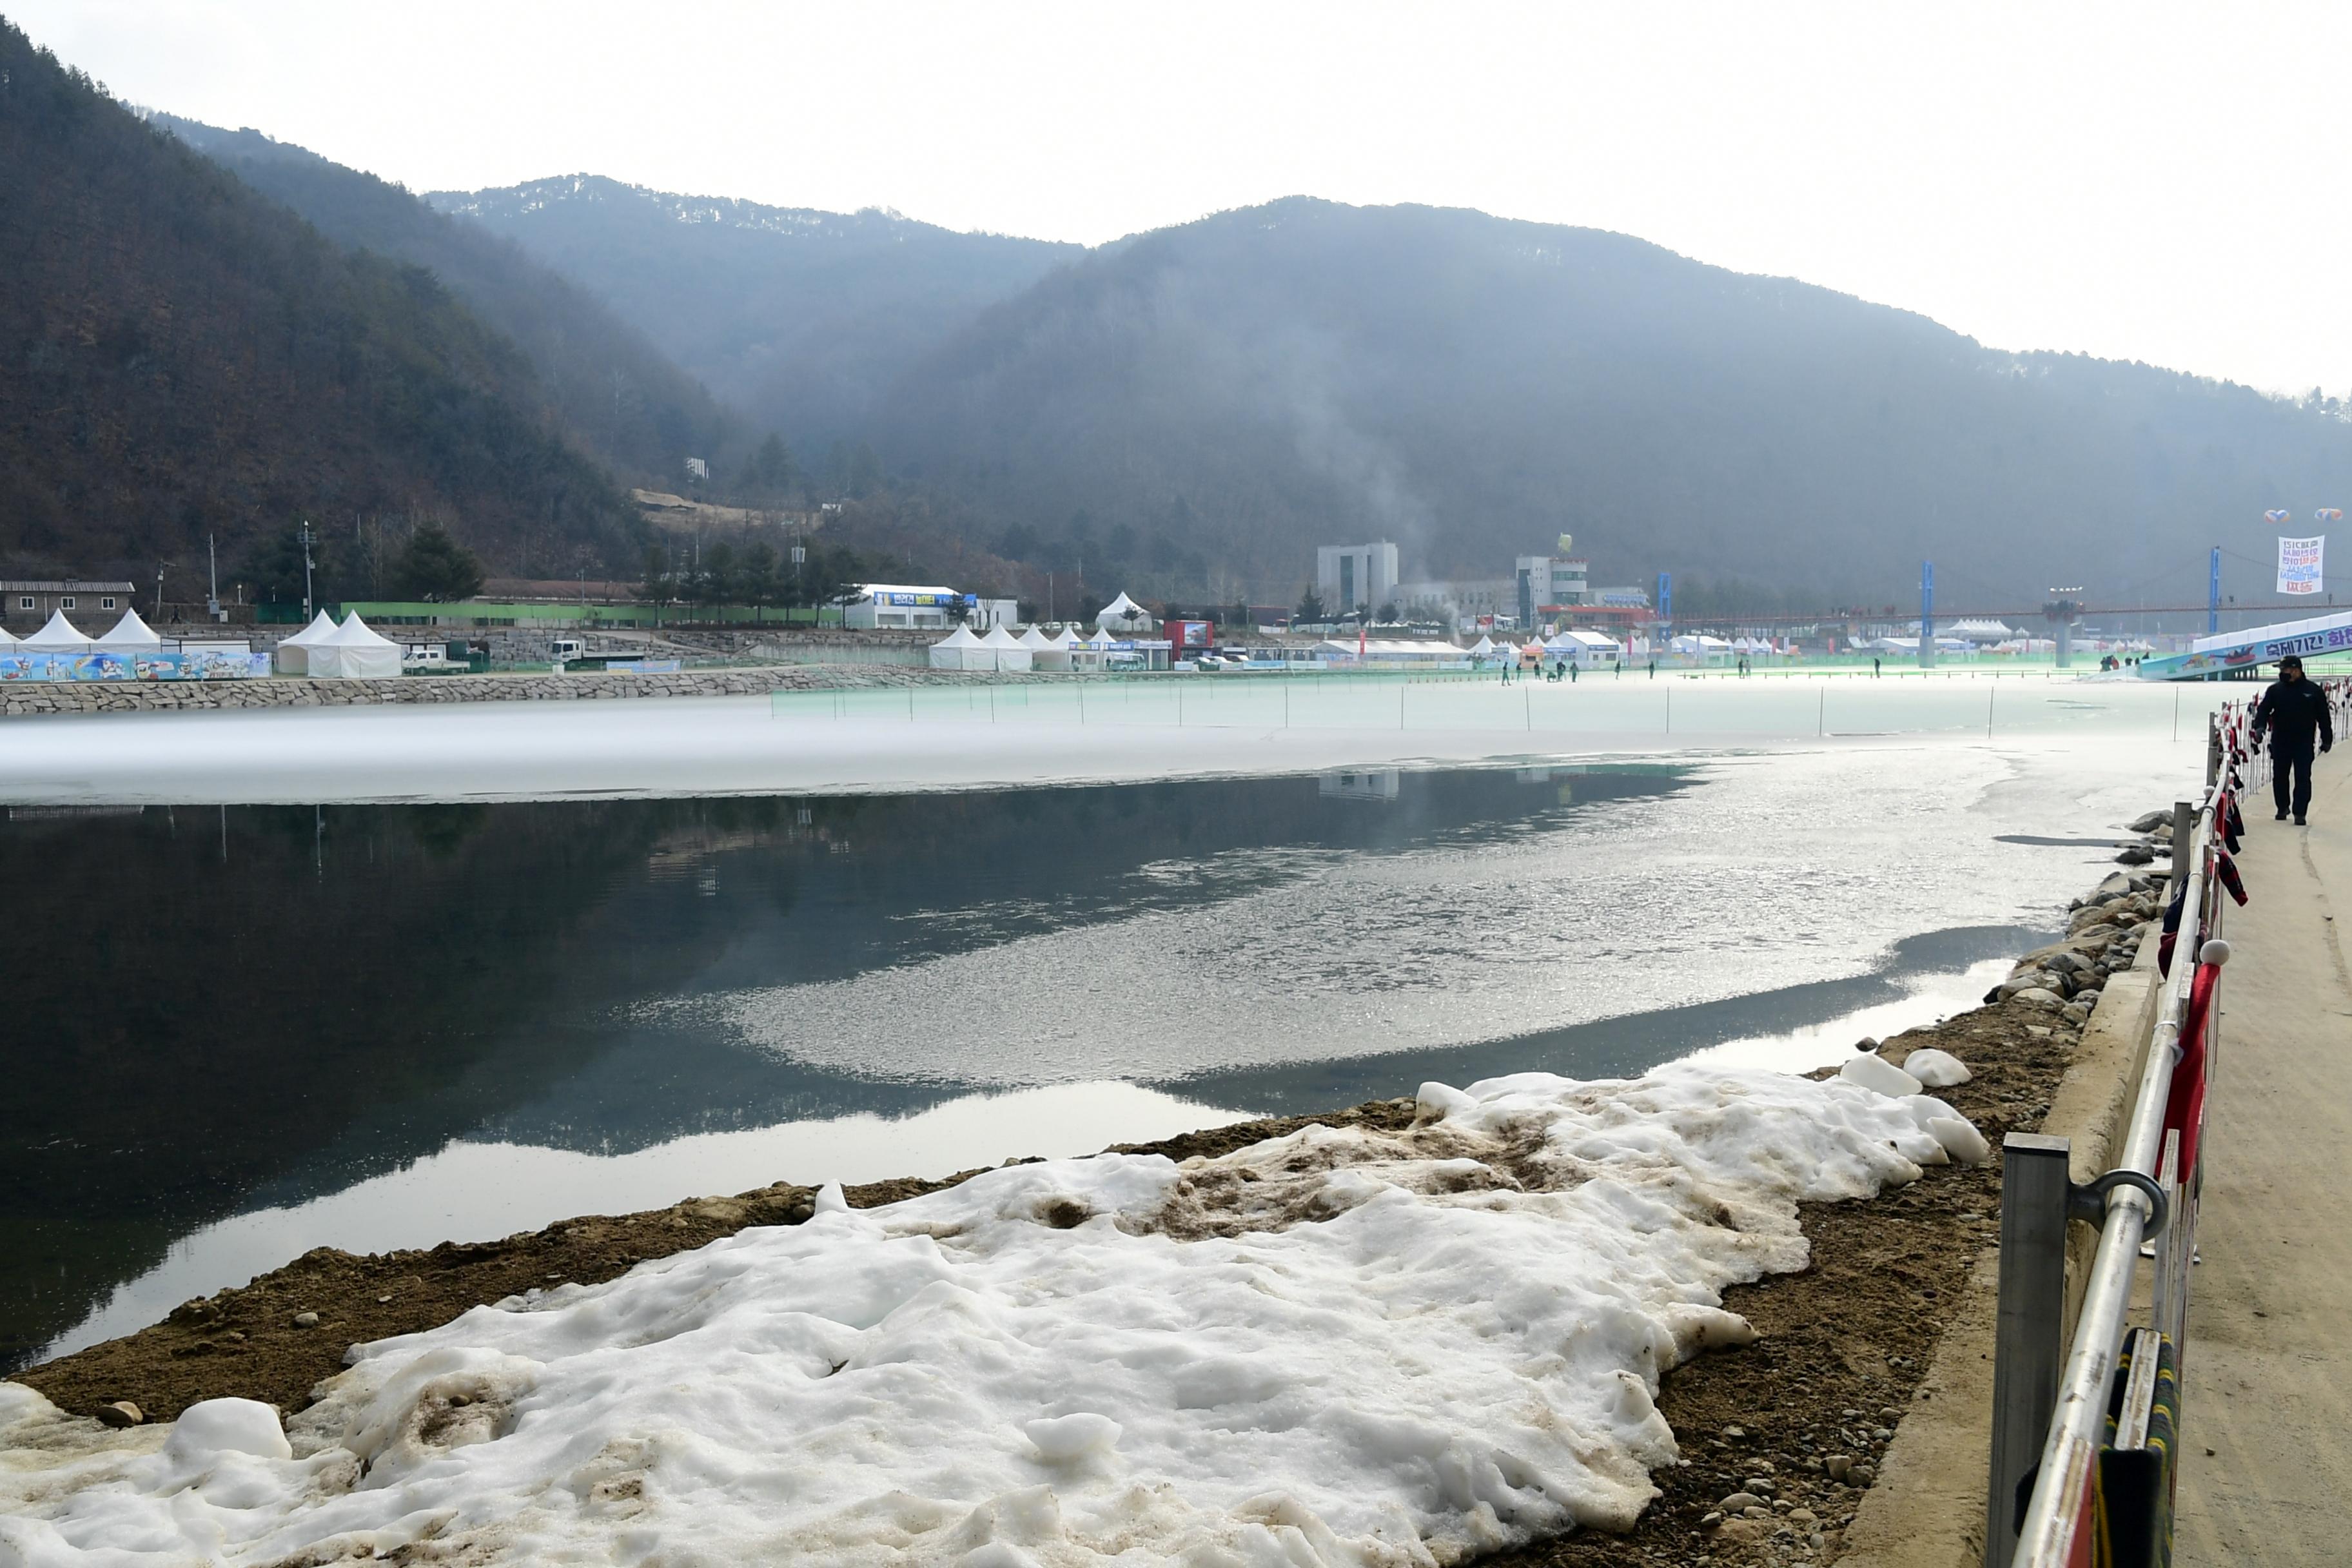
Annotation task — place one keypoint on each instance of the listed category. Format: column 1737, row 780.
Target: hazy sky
column 2148, row 182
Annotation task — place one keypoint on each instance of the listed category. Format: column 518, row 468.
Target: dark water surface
column 213, row 1012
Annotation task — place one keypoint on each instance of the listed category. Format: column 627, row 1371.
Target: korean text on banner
column 2299, row 565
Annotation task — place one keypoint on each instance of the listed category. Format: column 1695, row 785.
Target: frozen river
column 373, row 978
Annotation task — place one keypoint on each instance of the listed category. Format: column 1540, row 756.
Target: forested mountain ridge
column 1232, row 392
column 181, row 357
column 604, row 379
column 801, row 318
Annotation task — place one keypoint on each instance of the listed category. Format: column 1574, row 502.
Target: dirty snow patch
column 1342, row 1346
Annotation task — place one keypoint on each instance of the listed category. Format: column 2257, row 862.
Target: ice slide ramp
column 2210, row 656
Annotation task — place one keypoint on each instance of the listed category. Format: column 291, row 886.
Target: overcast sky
column 2145, row 182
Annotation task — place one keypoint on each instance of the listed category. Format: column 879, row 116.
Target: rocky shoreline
column 1781, row 1440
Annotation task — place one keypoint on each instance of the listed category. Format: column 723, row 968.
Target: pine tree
column 772, row 471
column 437, row 568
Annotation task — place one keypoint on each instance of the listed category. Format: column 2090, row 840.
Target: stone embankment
column 49, row 697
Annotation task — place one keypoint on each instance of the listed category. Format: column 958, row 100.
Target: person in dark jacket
column 2293, row 711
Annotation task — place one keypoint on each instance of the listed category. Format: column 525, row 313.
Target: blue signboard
column 1666, row 599
column 207, row 664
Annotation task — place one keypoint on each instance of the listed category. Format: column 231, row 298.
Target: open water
column 238, row 1031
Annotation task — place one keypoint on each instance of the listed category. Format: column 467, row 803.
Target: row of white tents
column 352, row 651
column 1597, row 648
column 1033, row 649
column 130, row 635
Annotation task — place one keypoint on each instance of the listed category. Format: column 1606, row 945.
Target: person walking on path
column 2293, row 711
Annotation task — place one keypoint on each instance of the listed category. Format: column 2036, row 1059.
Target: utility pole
column 159, row 591
column 1927, row 615
column 211, row 591
column 2213, row 594
column 307, row 609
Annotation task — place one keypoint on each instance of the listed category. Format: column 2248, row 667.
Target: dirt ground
column 1842, row 1344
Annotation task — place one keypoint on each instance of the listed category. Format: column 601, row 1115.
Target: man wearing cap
column 2293, row 711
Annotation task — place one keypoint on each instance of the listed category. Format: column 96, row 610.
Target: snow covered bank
column 1341, row 1346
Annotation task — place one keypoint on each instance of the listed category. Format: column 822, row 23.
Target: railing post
column 2027, row 1348
column 2184, row 828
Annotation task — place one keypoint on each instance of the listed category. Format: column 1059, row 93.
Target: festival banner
column 2299, row 565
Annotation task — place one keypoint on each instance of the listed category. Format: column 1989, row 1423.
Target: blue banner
column 133, row 666
column 1666, row 599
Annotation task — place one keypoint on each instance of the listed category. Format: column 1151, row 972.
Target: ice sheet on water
column 1339, row 1346
column 1768, row 873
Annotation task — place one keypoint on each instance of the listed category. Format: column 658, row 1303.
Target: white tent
column 1978, row 631
column 1123, row 610
column 1010, row 653
column 1699, row 646
column 961, row 650
column 5, row 639
column 128, row 635
column 1393, row 650
column 293, row 656
column 59, row 636
column 1045, row 652
column 1484, row 648
column 1588, row 649
column 354, row 652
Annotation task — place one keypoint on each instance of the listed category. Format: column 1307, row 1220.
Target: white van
column 424, row 655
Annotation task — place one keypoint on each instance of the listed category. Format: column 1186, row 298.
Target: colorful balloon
column 2328, row 514
column 2277, row 516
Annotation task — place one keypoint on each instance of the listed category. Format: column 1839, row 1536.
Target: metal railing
column 2051, row 1422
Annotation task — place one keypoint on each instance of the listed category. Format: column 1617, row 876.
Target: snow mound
column 1935, row 1069
column 1341, row 1346
column 1875, row 1072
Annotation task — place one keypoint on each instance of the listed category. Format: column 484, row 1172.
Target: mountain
column 605, row 382
column 181, row 356
column 801, row 319
column 1231, row 393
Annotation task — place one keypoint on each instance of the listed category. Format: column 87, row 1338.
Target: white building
column 1464, row 603
column 896, row 606
column 1548, row 581
column 1351, row 577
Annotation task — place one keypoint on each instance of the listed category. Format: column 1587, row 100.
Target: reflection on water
column 482, row 1187
column 219, row 1010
